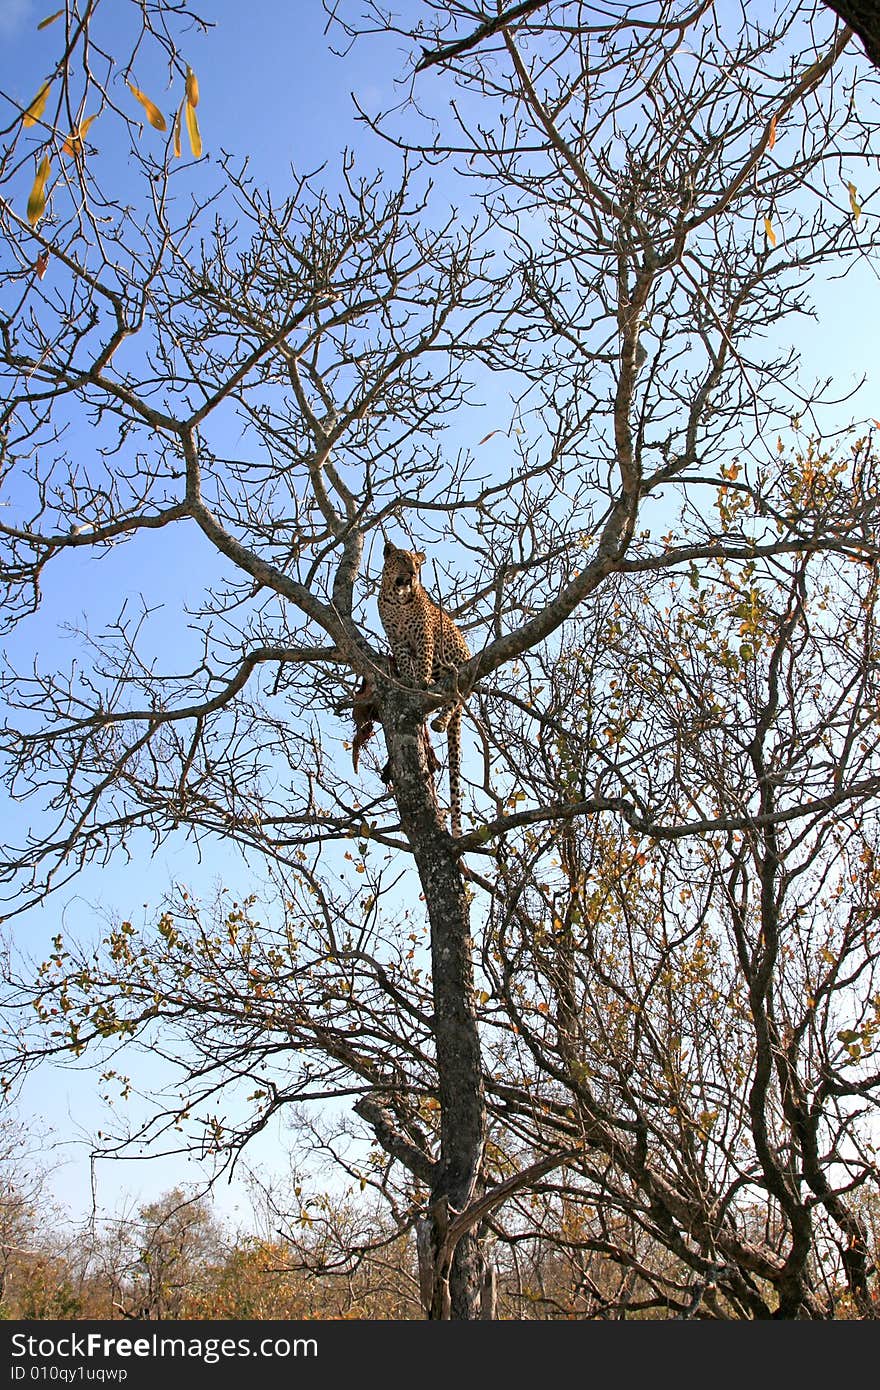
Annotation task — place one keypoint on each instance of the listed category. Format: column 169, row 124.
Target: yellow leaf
column 177, row 131
column 74, row 142
column 854, row 201
column 771, row 136
column 768, row 228
column 192, row 130
column 37, row 200
column 192, row 88
column 50, row 19
column 38, row 105
column 154, row 115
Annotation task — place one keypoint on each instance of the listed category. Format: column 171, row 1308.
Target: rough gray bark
column 458, row 1271
column 862, row 16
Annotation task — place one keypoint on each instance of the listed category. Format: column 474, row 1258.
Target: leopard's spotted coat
column 426, row 645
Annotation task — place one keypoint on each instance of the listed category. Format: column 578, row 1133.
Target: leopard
column 426, row 645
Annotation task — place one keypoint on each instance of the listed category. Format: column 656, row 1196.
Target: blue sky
column 271, row 90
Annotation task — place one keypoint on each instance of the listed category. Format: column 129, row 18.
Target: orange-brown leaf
column 74, row 142
column 176, row 136
column 771, row 136
column 192, row 88
column 41, row 263
column 154, row 115
column 50, row 19
column 38, row 105
column 192, row 130
column 37, row 200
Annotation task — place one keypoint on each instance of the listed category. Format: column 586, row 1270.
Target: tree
column 864, row 20
column 39, row 1274
column 630, row 244
column 695, row 990
column 159, row 1264
column 860, row 15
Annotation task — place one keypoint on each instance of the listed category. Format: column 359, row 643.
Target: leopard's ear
column 419, row 556
column 389, row 549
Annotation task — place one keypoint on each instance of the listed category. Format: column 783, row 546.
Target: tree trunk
column 459, row 1273
column 864, row 17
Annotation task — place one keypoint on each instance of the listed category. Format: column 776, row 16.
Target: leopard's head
column 401, row 568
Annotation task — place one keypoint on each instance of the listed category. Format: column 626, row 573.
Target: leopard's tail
column 453, row 743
